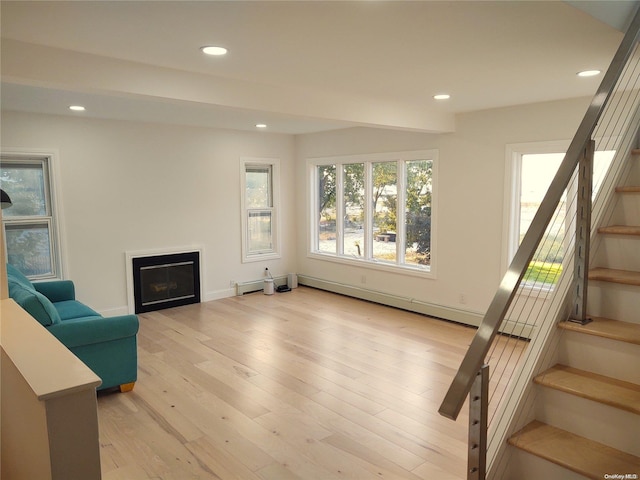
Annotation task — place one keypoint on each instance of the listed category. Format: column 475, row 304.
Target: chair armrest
column 57, row 290
column 87, row 331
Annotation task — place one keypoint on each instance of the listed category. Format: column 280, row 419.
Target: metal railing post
column 478, row 415
column 583, row 234
column 507, row 290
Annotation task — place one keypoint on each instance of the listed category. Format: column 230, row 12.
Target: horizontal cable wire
column 611, row 133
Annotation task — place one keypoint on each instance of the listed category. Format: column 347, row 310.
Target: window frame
column 513, row 189
column 52, row 219
column 274, row 172
column 367, row 260
column 513, row 193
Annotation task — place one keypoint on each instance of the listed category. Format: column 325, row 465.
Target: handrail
column 488, row 329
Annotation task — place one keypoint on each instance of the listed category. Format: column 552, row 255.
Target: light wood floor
column 298, row 385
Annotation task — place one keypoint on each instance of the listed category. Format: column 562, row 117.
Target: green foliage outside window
column 417, row 204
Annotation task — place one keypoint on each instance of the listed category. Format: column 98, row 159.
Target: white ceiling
column 300, row 66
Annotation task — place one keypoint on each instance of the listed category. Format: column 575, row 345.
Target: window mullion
column 314, row 205
column 401, row 201
column 52, row 244
column 368, row 210
column 47, row 188
column 516, row 205
column 339, row 209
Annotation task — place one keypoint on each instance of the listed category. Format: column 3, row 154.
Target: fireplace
column 165, row 281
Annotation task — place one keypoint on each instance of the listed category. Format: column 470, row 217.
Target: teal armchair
column 107, row 345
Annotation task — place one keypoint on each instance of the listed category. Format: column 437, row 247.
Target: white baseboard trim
column 256, row 285
column 404, row 303
column 114, row 312
column 219, row 294
column 465, row 317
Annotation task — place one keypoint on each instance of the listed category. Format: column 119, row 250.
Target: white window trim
column 513, row 171
column 312, row 246
column 58, row 237
column 514, row 153
column 512, row 189
column 274, row 253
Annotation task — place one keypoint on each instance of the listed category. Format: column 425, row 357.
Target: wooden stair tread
column 616, row 276
column 589, row 385
column 635, row 151
column 607, row 328
column 620, row 229
column 578, row 454
column 628, row 189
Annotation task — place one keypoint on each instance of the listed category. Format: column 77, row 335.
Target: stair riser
column 619, row 252
column 627, row 211
column 605, row 424
column 536, row 468
column 600, row 355
column 634, row 173
column 612, row 300
column 598, row 422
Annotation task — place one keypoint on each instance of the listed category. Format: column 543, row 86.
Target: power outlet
column 232, row 283
column 462, row 299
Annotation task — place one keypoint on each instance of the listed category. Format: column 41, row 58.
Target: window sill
column 259, row 257
column 417, row 271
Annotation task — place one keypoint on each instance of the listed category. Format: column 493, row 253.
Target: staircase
column 588, row 405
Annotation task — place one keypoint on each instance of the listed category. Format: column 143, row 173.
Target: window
column 259, row 208
column 534, row 166
column 30, row 223
column 374, row 209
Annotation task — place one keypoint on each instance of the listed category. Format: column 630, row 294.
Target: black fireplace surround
column 166, row 281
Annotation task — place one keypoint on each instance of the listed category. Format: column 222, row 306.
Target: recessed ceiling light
column 589, row 73
column 213, row 50
column 442, row 96
column 261, row 125
column 77, row 108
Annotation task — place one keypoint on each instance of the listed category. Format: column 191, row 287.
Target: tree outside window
column 376, row 231
column 353, row 210
column 418, row 212
column 326, row 221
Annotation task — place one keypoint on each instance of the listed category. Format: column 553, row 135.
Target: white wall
column 471, row 184
column 133, row 186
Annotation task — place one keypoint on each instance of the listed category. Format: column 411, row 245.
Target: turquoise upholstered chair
column 106, row 345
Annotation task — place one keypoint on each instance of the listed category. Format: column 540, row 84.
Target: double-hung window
column 30, row 223
column 259, row 208
column 375, row 209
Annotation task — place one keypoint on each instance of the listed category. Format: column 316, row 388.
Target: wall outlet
column 232, row 283
column 363, row 279
column 462, row 299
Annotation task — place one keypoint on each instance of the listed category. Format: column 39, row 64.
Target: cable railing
column 513, row 407
column 541, row 285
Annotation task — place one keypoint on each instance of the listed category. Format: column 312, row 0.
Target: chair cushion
column 77, row 332
column 34, row 303
column 73, row 309
column 17, row 276
column 56, row 290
